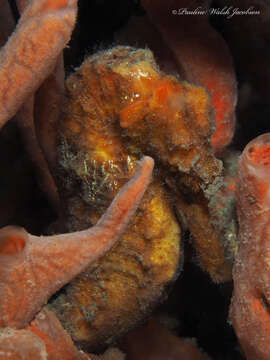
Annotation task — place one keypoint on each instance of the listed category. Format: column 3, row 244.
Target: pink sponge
column 250, row 307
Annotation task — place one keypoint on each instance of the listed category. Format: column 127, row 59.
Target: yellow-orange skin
column 172, row 121
column 119, row 106
column 120, row 289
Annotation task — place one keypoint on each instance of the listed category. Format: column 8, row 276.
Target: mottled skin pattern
column 119, row 290
column 189, row 48
column 152, row 113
